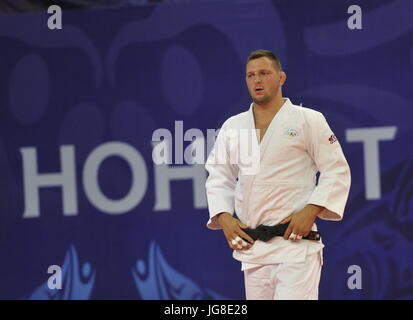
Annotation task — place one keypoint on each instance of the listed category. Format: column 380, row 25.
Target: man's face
column 263, row 80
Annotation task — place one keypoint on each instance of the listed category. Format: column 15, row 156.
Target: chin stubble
column 264, row 100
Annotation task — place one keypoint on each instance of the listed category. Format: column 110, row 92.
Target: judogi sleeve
column 334, row 181
column 221, row 182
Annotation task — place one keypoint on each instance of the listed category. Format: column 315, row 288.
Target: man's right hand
column 232, row 229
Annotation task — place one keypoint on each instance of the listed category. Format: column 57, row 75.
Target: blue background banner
column 79, row 106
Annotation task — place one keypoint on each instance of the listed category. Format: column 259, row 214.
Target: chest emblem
column 291, row 133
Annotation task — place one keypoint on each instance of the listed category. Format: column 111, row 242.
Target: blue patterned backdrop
column 94, row 92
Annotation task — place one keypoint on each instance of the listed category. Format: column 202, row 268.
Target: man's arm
column 221, row 181
column 335, row 178
column 220, row 188
column 330, row 195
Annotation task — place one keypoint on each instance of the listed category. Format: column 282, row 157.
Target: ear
column 283, row 77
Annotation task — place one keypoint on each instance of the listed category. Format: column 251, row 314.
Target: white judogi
column 297, row 144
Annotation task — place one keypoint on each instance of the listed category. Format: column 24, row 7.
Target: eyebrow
column 259, row 71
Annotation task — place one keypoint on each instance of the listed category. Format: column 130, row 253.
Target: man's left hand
column 301, row 222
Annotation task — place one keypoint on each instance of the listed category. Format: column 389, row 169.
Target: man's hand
column 232, row 229
column 301, row 222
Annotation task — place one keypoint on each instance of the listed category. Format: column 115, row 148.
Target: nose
column 257, row 79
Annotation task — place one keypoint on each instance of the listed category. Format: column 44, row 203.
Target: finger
column 284, row 221
column 237, row 247
column 288, row 232
column 243, row 243
column 244, row 235
column 239, row 244
column 242, row 225
column 239, row 240
column 234, row 240
column 293, row 236
column 233, row 244
column 230, row 237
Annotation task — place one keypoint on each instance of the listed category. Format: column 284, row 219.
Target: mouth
column 258, row 90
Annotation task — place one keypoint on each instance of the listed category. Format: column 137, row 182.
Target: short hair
column 268, row 54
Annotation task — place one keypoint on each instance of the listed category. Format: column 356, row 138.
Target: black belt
column 265, row 233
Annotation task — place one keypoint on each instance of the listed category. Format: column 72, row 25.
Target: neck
column 271, row 107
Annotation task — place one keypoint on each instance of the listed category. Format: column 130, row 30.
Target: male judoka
column 278, row 186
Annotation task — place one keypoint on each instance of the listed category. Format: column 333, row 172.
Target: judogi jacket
column 279, row 179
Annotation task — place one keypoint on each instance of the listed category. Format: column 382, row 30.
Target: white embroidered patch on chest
column 291, row 133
